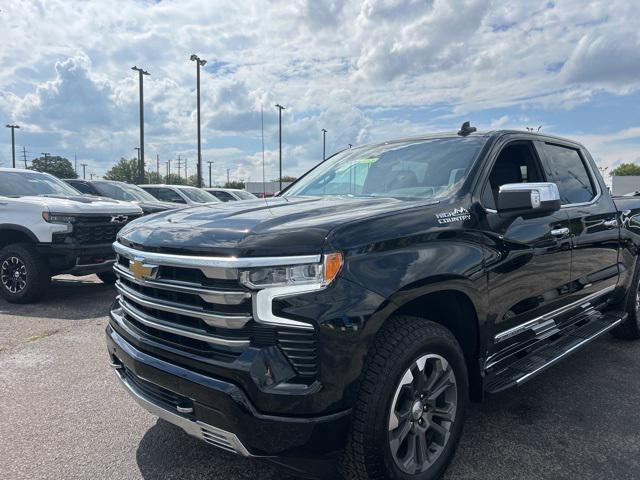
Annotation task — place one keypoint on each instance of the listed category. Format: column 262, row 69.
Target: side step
column 538, row 360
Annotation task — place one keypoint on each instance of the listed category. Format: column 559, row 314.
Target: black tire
column 33, row 270
column 630, row 328
column 397, row 348
column 108, row 278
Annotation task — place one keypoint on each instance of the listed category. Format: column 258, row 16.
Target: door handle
column 613, row 223
column 560, row 232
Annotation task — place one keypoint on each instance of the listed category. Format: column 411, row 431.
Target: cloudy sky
column 364, row 70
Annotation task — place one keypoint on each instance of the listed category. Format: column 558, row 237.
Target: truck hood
column 273, row 227
column 79, row 204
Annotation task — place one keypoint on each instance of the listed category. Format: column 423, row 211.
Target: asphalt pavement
column 64, row 416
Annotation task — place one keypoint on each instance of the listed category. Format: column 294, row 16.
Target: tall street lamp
column 141, row 74
column 137, row 149
column 280, row 108
column 13, row 142
column 84, row 170
column 210, row 163
column 199, row 63
column 324, row 144
column 45, row 155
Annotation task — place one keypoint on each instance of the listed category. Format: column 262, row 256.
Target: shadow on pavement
column 166, row 451
column 68, row 298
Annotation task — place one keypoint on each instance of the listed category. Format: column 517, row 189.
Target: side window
column 516, row 163
column 570, row 174
column 168, row 195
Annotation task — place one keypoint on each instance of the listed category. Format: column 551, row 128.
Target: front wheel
column 408, row 419
column 24, row 273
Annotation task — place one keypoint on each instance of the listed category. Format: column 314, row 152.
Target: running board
column 538, row 360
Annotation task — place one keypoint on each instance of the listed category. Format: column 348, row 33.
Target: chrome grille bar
column 221, row 265
column 210, row 296
column 174, row 329
column 215, row 320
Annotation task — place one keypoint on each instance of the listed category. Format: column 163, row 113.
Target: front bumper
column 79, row 259
column 219, row 412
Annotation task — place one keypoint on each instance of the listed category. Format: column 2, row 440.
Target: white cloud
column 353, row 67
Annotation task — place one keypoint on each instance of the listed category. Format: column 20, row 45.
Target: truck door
column 529, row 260
column 593, row 223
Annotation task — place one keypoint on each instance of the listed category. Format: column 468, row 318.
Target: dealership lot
column 64, row 415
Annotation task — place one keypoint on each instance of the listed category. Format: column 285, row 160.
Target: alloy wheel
column 13, row 274
column 422, row 413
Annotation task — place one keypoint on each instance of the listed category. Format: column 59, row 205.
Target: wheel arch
column 453, row 303
column 10, row 233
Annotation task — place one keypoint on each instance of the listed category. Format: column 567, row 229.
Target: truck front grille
column 204, row 311
column 99, row 229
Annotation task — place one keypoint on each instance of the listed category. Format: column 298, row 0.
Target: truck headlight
column 309, row 274
column 60, row 219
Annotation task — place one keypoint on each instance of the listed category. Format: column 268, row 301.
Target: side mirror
column 528, row 198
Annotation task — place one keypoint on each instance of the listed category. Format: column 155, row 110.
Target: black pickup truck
column 341, row 328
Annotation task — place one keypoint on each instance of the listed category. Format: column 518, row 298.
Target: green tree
column 124, row 171
column 625, row 169
column 174, row 179
column 234, row 184
column 286, row 178
column 57, row 166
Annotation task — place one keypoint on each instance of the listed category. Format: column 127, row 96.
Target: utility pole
column 227, row 175
column 179, row 164
column 13, row 142
column 167, row 164
column 24, row 156
column 158, row 165
column 45, row 154
column 141, row 74
column 199, row 63
column 324, row 142
column 210, row 163
column 280, row 108
column 84, row 171
column 168, row 170
column 75, row 163
column 186, row 174
column 91, row 176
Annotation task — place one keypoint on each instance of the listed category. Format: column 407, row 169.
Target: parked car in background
column 123, row 191
column 230, row 194
column 48, row 228
column 356, row 315
column 180, row 194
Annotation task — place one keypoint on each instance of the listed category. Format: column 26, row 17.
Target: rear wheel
column 409, row 415
column 630, row 328
column 24, row 273
column 107, row 277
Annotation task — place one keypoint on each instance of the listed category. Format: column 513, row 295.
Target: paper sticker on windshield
column 457, row 215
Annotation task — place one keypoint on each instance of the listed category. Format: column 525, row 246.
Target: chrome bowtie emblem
column 119, row 219
column 141, row 270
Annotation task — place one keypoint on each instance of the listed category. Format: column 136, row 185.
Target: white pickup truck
column 48, row 228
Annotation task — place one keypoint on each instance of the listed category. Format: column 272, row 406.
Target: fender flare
column 10, row 227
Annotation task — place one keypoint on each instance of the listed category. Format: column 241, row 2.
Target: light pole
column 84, row 171
column 141, row 74
column 167, row 163
column 210, row 163
column 280, row 108
column 324, row 143
column 13, row 142
column 137, row 149
column 199, row 63
column 157, row 166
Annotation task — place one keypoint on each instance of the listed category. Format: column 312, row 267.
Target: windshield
column 23, row 184
column 123, row 191
column 244, row 195
column 198, row 196
column 413, row 169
